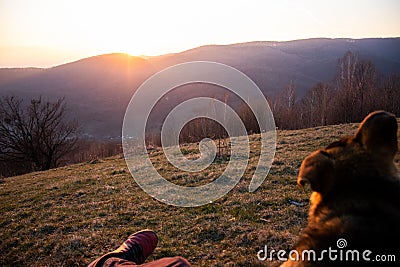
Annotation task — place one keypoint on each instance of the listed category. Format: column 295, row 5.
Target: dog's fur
column 356, row 193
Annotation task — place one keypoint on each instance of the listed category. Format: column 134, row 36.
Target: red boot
column 136, row 248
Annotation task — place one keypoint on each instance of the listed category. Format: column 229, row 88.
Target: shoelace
column 134, row 252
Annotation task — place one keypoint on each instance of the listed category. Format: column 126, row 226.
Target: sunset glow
column 44, row 33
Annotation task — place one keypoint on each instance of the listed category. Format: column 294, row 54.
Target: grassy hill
column 71, row 215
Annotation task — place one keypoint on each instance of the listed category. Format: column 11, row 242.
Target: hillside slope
column 272, row 65
column 69, row 216
column 98, row 89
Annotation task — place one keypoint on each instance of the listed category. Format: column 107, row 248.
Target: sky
column 45, row 33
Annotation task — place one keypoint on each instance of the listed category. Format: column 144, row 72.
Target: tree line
column 356, row 90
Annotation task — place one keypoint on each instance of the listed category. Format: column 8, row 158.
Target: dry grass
column 71, row 215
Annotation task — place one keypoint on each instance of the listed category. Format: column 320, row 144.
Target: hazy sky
column 44, row 33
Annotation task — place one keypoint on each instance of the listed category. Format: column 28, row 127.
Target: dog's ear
column 317, row 170
column 378, row 134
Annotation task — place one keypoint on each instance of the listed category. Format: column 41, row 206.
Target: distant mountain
column 11, row 75
column 99, row 88
column 272, row 65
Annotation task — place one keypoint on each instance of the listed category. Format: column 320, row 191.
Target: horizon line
column 177, row 52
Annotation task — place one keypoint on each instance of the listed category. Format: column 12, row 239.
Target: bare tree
column 345, row 84
column 315, row 105
column 248, row 118
column 355, row 85
column 389, row 95
column 284, row 107
column 365, row 83
column 37, row 134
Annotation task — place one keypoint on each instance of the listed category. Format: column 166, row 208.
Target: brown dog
column 355, row 204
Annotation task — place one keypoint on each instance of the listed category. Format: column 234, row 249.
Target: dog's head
column 368, row 154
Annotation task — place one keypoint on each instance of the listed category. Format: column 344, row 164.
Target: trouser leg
column 164, row 262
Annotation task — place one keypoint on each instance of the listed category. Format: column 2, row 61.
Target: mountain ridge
column 98, row 88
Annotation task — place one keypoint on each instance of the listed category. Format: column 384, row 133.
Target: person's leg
column 135, row 249
column 164, row 262
column 168, row 262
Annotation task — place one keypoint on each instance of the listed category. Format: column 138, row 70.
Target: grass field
column 71, row 215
